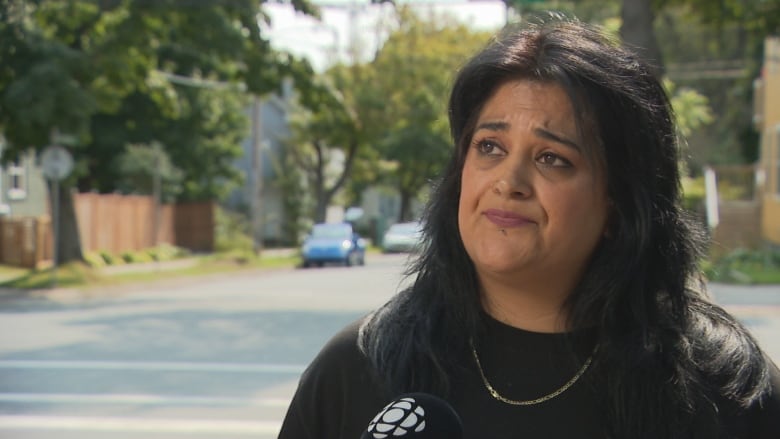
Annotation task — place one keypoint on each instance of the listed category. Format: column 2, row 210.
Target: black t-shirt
column 338, row 395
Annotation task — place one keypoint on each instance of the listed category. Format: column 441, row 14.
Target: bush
column 693, row 193
column 111, row 259
column 94, row 259
column 136, row 257
column 167, row 252
column 232, row 232
column 745, row 266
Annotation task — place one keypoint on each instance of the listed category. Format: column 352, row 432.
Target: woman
column 558, row 294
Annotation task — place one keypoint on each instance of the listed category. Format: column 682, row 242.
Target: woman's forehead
column 524, row 101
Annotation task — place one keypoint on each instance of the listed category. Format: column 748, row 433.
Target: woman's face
column 533, row 206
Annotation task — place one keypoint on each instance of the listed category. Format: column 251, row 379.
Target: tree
column 383, row 121
column 64, row 65
column 413, row 72
column 717, row 47
column 202, row 139
column 147, row 169
column 48, row 83
column 326, row 135
column 637, row 32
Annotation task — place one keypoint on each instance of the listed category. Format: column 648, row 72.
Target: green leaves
column 411, row 125
column 41, row 81
column 119, row 72
column 142, row 167
column 691, row 108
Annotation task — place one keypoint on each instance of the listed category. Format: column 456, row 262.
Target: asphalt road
column 203, row 358
column 210, row 357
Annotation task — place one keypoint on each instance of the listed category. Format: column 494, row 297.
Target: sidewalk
column 735, row 294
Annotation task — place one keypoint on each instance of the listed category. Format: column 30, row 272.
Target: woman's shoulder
column 761, row 419
column 337, row 394
column 342, row 365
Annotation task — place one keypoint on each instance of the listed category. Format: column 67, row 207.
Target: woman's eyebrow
column 541, row 132
column 549, row 135
column 493, row 126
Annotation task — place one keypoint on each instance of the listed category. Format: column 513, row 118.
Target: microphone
column 415, row 415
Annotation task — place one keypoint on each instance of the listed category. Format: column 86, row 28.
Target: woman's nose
column 514, row 181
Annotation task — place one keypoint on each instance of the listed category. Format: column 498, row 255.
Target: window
column 17, row 176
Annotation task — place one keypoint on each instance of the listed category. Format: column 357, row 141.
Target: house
column 23, row 191
column 270, row 124
column 767, row 122
column 24, row 211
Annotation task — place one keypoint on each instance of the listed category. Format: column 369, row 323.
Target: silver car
column 402, row 237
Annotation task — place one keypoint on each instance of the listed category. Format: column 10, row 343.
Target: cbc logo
column 398, row 419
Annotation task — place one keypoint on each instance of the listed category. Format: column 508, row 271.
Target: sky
column 337, row 37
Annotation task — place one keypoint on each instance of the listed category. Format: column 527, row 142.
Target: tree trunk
column 405, row 209
column 321, row 209
column 638, row 34
column 68, row 244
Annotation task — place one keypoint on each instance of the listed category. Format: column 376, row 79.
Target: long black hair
column 668, row 352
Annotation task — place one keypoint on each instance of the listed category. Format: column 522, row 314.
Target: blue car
column 333, row 243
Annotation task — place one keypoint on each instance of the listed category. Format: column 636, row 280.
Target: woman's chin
column 500, row 258
column 499, row 266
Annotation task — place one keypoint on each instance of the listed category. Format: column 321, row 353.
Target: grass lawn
column 744, row 276
column 767, row 278
column 748, row 267
column 77, row 274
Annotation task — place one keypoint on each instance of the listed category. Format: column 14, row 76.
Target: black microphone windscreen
column 415, row 415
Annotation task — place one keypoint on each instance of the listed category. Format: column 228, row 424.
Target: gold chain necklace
column 540, row 400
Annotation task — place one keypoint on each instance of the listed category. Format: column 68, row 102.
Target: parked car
column 333, row 242
column 402, row 237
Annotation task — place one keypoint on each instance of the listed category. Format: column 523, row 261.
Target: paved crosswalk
column 36, row 411
column 126, row 424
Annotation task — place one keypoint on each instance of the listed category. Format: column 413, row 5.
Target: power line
column 711, row 69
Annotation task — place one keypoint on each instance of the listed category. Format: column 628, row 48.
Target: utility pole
column 156, row 192
column 257, row 175
column 256, row 186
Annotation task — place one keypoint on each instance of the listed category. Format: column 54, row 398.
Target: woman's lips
column 503, row 218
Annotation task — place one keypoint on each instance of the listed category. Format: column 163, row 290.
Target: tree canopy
column 384, row 120
column 115, row 73
column 412, row 127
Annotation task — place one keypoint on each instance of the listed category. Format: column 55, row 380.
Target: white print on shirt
column 397, row 419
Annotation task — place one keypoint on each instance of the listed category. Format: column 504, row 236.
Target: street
column 212, row 357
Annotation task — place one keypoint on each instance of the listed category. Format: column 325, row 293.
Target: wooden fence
column 117, row 223
column 26, row 242
column 113, row 223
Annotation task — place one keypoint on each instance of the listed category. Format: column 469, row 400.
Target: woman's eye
column 553, row 160
column 486, row 147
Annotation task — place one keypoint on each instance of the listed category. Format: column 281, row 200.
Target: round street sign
column 56, row 162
